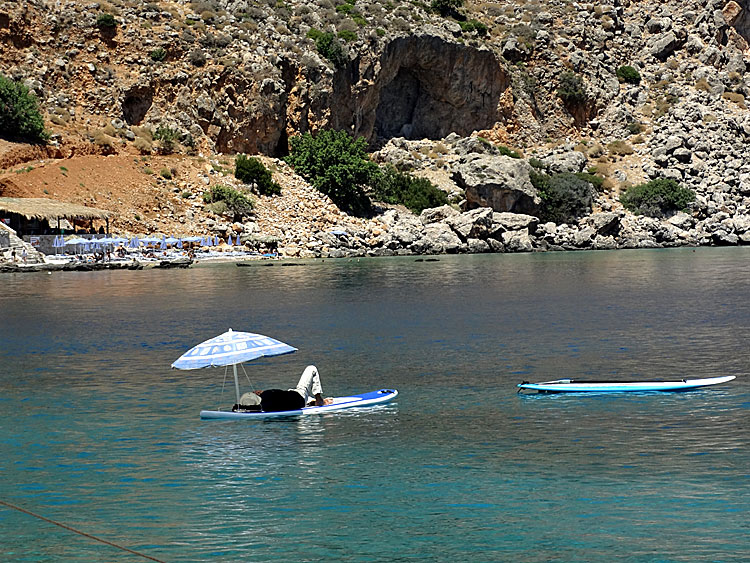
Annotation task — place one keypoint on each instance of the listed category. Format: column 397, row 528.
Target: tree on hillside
column 19, row 113
column 336, row 164
column 250, row 170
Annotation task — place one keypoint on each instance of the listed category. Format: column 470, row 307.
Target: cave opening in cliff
column 394, row 116
column 136, row 104
column 427, row 88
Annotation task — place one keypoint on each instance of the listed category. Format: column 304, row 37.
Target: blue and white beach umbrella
column 230, row 349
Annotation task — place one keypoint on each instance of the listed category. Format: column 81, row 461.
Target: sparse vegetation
column 738, row 99
column 197, row 57
column 410, row 191
column 619, row 148
column 505, row 151
column 657, row 198
column 224, row 199
column 167, row 138
column 571, row 89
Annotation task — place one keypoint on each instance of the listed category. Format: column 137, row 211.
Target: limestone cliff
column 233, row 76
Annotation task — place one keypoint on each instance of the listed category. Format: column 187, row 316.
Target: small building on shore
column 39, row 220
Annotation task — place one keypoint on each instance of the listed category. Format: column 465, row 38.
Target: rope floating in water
column 79, row 532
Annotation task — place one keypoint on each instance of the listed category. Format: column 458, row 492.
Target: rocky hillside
column 229, row 76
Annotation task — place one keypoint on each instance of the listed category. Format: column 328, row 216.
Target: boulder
column 572, row 162
column 681, row 220
column 499, row 182
column 438, row 238
column 477, row 246
column 502, row 222
column 437, row 214
column 517, row 241
column 604, row 224
column 476, row 223
column 665, row 44
column 723, row 238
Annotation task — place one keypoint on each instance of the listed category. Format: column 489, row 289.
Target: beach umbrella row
column 136, row 242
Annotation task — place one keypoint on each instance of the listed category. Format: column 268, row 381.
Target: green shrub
column 413, row 193
column 19, row 113
column 236, row 203
column 106, row 21
column 347, row 35
column 166, row 173
column 251, row 170
column 657, row 198
column 336, row 164
column 591, row 178
column 505, row 151
column 446, row 7
column 565, row 197
column 167, row 138
column 571, row 89
column 628, row 74
column 536, row 163
column 158, row 55
column 473, row 25
column 329, row 47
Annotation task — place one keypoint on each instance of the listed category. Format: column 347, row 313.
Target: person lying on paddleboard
column 308, row 392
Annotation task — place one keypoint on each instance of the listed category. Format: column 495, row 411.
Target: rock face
column 422, row 86
column 499, row 182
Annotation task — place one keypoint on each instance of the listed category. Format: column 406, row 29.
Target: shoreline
column 254, row 260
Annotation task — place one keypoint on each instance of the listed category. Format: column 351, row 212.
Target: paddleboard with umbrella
column 234, row 348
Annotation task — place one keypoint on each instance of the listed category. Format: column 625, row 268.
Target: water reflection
column 460, row 469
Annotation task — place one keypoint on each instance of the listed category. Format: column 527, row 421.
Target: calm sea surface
column 99, row 434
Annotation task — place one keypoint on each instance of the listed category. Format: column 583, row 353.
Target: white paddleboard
column 339, row 403
column 582, row 386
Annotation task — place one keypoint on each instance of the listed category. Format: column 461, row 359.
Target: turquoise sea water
column 99, row 434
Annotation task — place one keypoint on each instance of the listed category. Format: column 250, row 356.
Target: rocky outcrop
column 499, row 182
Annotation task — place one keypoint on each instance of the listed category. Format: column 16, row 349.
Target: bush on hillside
column 106, row 21
column 167, row 138
column 416, row 194
column 336, row 164
column 223, row 199
column 252, row 171
column 158, row 54
column 571, row 89
column 446, row 7
column 329, row 47
column 628, row 74
column 19, row 113
column 565, row 197
column 657, row 198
